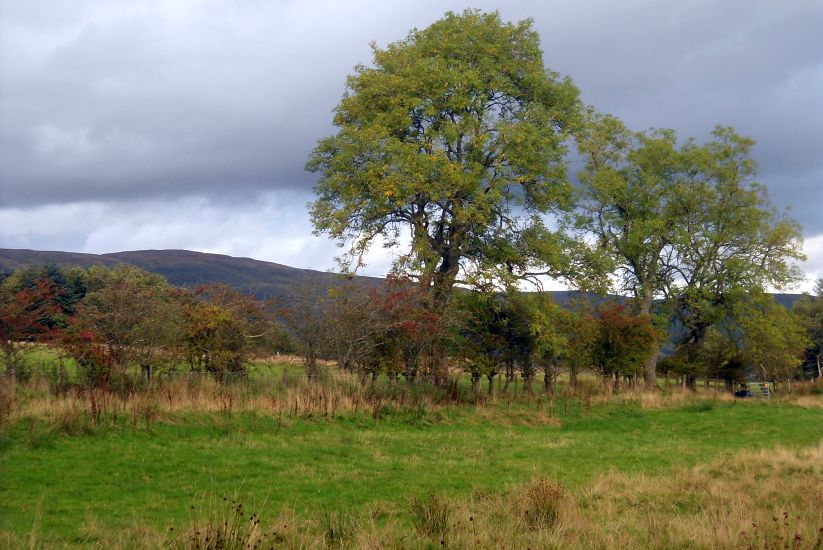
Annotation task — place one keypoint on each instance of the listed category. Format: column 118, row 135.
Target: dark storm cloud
column 757, row 66
column 109, row 101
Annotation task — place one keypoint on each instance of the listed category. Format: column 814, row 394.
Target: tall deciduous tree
column 731, row 241
column 687, row 223
column 454, row 137
column 629, row 201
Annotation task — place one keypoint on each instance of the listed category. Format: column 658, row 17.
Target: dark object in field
column 743, row 392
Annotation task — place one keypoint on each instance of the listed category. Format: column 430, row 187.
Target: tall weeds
column 77, row 410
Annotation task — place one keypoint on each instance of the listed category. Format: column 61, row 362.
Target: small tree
column 222, row 328
column 414, row 331
column 809, row 308
column 773, row 338
column 583, row 334
column 624, row 341
column 550, row 328
column 22, row 315
column 479, row 337
column 351, row 321
column 305, row 313
column 128, row 315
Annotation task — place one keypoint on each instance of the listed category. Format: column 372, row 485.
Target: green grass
column 122, row 477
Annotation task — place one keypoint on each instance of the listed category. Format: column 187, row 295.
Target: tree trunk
column 410, row 372
column 490, row 378
column 441, row 293
column 527, row 384
column 311, row 367
column 691, row 382
column 475, row 384
column 528, row 376
column 509, row 377
column 548, row 379
column 650, row 368
column 440, row 366
column 147, row 371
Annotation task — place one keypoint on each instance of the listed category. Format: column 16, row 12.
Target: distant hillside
column 187, row 268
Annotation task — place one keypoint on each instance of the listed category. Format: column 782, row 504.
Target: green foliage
column 717, row 355
column 127, row 318
column 583, row 330
column 731, row 242
column 773, row 338
column 628, row 200
column 550, row 328
column 494, row 332
column 809, row 309
column 624, row 341
column 221, row 328
column 686, row 223
column 454, row 136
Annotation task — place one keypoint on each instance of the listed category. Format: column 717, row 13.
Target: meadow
column 273, row 461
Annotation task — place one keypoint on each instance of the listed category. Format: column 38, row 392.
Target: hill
column 188, row 268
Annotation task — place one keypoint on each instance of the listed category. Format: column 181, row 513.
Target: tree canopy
column 453, row 138
column 688, row 224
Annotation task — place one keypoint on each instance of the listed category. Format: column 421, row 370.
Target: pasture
column 340, row 464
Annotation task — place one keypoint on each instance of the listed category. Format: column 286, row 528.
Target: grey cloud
column 120, row 101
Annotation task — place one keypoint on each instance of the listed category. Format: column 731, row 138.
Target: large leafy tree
column 454, row 138
column 629, row 200
column 731, row 242
column 684, row 223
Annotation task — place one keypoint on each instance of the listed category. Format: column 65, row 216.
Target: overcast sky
column 129, row 125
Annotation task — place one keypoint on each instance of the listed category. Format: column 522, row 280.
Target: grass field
column 394, row 476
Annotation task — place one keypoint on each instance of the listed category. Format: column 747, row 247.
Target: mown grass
column 69, row 489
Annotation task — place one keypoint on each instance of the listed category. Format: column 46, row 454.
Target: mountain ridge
column 182, row 267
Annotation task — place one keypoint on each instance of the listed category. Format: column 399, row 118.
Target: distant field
column 126, row 477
